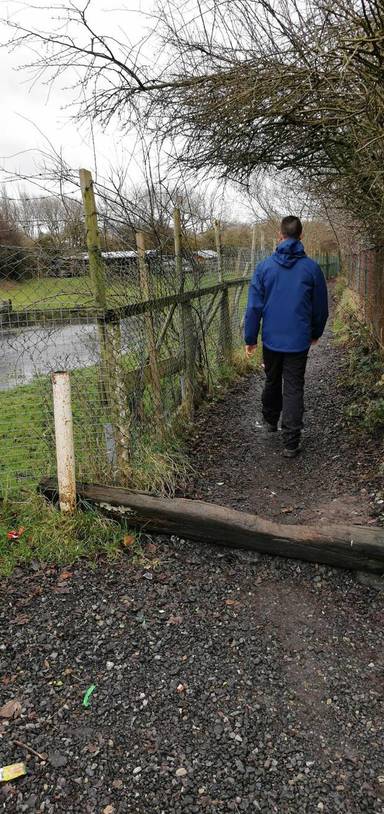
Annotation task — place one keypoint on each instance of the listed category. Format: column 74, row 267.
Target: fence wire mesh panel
column 365, row 278
column 133, row 367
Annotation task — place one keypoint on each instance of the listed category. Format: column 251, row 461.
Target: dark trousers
column 284, row 392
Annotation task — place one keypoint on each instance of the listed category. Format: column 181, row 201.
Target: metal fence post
column 65, row 452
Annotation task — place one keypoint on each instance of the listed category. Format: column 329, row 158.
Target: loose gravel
column 224, row 681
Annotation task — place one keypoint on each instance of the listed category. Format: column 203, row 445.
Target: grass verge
column 363, row 375
column 48, row 536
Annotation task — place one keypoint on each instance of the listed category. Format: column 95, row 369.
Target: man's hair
column 291, row 226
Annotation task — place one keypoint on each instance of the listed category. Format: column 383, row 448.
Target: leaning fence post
column 219, row 250
column 152, row 351
column 65, row 452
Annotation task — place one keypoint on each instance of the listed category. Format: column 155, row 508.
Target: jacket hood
column 288, row 251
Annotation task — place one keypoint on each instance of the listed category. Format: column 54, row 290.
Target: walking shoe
column 269, row 427
column 291, row 453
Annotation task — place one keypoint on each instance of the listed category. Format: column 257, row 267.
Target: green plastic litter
column 88, row 694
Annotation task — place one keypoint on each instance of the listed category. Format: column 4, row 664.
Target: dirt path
column 239, row 465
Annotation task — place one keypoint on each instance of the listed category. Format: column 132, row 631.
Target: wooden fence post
column 96, row 265
column 189, row 359
column 180, row 285
column 219, row 250
column 96, row 268
column 112, row 380
column 225, row 338
column 150, row 331
column 65, row 454
column 178, row 255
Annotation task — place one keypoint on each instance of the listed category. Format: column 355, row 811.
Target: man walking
column 288, row 293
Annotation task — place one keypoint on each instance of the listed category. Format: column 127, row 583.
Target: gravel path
column 225, row 682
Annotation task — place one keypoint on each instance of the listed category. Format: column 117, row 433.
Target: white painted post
column 65, row 453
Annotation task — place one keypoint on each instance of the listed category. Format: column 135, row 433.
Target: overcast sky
column 37, row 113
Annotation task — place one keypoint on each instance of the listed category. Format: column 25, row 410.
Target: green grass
column 27, row 437
column 23, row 433
column 46, row 292
column 50, row 537
column 69, row 292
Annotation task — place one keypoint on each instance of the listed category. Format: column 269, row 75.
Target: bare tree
column 248, row 84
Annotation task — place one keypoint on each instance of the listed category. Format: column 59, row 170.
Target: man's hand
column 314, row 342
column 249, row 350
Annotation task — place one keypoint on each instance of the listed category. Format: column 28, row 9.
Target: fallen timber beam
column 356, row 547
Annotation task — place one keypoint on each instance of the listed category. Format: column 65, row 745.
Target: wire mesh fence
column 146, row 334
column 134, row 368
column 365, row 269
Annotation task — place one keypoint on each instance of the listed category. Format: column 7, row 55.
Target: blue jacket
column 289, row 293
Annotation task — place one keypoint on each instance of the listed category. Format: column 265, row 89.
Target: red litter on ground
column 15, row 535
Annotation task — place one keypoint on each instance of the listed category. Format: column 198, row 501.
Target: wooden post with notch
column 150, row 331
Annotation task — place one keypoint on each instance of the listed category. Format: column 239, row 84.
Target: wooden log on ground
column 356, row 547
